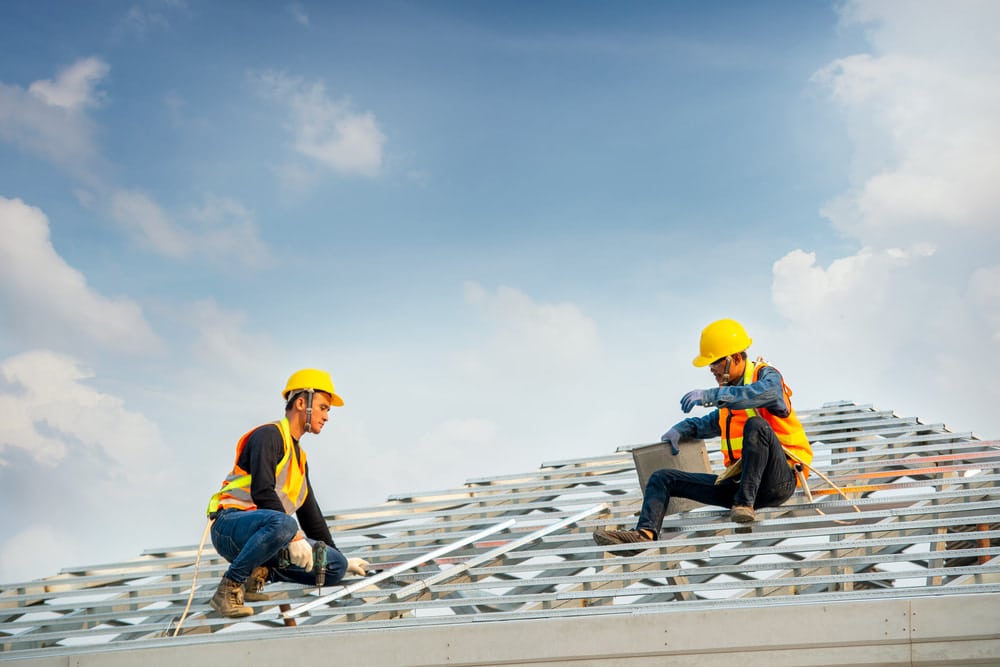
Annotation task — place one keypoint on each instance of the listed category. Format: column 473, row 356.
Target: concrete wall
column 926, row 631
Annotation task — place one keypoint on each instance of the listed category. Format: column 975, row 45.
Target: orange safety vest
column 289, row 477
column 788, row 429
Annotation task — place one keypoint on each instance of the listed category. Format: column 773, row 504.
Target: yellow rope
column 800, row 464
column 194, row 579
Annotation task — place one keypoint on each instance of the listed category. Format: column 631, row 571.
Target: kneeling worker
column 758, row 430
column 269, row 482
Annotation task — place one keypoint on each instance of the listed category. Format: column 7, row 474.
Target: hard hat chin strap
column 309, row 409
column 725, row 371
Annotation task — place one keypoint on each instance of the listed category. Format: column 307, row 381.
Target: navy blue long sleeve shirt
column 765, row 393
column 260, row 458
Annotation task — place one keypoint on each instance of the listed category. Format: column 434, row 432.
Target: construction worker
column 759, row 437
column 269, row 482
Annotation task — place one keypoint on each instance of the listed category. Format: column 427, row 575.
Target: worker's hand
column 673, row 436
column 358, row 566
column 300, row 553
column 691, row 399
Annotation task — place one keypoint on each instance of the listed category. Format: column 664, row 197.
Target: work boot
column 742, row 514
column 228, row 600
column 610, row 537
column 253, row 587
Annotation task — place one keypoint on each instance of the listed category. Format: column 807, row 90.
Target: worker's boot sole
column 607, row 538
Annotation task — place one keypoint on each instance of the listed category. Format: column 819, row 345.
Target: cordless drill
column 319, row 562
column 319, row 565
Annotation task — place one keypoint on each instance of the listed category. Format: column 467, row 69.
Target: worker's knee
column 284, row 526
column 336, row 565
column 661, row 479
column 757, row 433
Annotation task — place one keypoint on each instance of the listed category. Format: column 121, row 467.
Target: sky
column 500, row 226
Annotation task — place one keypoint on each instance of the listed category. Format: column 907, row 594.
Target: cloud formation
column 49, row 119
column 53, row 413
column 327, row 132
column 219, row 229
column 298, row 14
column 42, row 297
column 923, row 108
column 64, row 441
column 528, row 337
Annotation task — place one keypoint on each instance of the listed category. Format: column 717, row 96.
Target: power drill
column 319, row 562
column 319, row 565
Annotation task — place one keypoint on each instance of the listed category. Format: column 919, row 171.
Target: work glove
column 673, row 436
column 300, row 553
column 358, row 566
column 691, row 399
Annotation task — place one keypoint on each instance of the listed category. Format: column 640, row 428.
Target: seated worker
column 757, row 427
column 269, row 482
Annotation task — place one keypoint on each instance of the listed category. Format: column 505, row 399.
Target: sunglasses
column 717, row 362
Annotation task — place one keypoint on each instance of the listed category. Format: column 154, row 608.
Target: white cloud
column 49, row 120
column 298, row 14
column 220, row 228
column 46, row 299
column 75, row 87
column 899, row 317
column 223, row 345
column 147, row 15
column 149, row 225
column 923, row 111
column 429, row 462
column 37, row 548
column 69, row 452
column 858, row 284
column 528, row 337
column 53, row 412
column 227, row 229
column 327, row 132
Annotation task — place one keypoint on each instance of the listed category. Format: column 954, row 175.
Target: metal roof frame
column 922, row 523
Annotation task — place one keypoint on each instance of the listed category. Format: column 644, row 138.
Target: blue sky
column 500, row 226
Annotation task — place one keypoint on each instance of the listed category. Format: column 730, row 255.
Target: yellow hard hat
column 721, row 339
column 311, row 378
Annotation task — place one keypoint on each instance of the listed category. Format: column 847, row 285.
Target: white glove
column 358, row 566
column 301, row 553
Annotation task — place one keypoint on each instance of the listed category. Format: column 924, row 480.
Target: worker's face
column 736, row 363
column 320, row 411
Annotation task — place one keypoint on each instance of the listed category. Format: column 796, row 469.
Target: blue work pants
column 248, row 538
column 766, row 480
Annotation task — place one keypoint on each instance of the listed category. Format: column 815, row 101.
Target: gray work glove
column 673, row 436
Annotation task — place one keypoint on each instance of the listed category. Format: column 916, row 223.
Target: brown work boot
column 742, row 514
column 610, row 537
column 228, row 600
column 253, row 587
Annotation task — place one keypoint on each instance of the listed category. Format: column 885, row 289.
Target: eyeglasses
column 717, row 362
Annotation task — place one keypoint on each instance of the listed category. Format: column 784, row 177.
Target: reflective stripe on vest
column 788, row 429
column 289, row 476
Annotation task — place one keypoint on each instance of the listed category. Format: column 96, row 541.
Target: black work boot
column 253, row 587
column 610, row 537
column 228, row 600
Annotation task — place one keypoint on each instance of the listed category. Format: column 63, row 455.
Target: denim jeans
column 248, row 538
column 766, row 480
